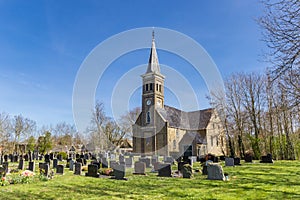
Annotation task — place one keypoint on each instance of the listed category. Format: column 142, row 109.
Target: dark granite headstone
column 95, row 162
column 92, row 171
column 237, row 161
column 31, row 166
column 248, row 158
column 21, row 164
column 78, row 168
column 5, row 158
column 165, row 170
column 55, row 162
column 267, row 159
column 60, row 169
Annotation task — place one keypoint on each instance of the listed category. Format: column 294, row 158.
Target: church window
column 217, row 142
column 146, row 87
column 156, row 87
column 159, row 88
column 212, row 140
column 148, row 117
column 151, row 86
column 174, row 144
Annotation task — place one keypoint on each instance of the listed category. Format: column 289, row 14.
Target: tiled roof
column 195, row 120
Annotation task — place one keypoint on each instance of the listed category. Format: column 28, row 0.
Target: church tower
column 153, row 88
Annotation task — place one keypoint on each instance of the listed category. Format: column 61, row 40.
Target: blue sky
column 43, row 44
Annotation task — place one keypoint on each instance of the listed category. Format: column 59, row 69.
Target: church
column 164, row 130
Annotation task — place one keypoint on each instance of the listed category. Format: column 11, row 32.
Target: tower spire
column 153, row 65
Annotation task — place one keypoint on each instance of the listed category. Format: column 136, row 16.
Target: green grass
column 280, row 180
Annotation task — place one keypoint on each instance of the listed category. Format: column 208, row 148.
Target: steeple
column 153, row 65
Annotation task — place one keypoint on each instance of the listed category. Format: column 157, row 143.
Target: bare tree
column 281, row 25
column 22, row 128
column 5, row 133
column 281, row 33
column 127, row 120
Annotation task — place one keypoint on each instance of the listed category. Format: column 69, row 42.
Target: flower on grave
column 27, row 173
column 3, row 178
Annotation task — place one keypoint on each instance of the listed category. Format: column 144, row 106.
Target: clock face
column 148, row 102
column 158, row 102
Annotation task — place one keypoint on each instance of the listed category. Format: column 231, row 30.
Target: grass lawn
column 280, row 180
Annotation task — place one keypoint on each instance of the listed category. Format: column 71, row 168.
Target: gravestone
column 164, row 170
column 60, row 169
column 71, row 165
column 204, row 170
column 267, row 159
column 15, row 158
column 119, row 172
column 55, row 162
column 237, row 161
column 129, row 162
column 156, row 166
column 26, row 157
column 78, row 169
column 121, row 159
column 5, row 158
column 215, row 172
column 187, row 171
column 51, row 156
column 146, row 161
column 5, row 166
column 79, row 160
column 193, row 159
column 140, row 168
column 21, row 164
column 180, row 166
column 104, row 163
column 31, row 166
column 95, row 162
column 112, row 164
column 112, row 156
column 44, row 168
column 229, row 162
column 92, row 171
column 169, row 159
column 47, row 158
column 248, row 158
column 154, row 160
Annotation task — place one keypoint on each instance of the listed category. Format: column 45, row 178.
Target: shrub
column 64, row 155
column 187, row 171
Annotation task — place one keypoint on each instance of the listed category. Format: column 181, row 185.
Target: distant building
column 165, row 130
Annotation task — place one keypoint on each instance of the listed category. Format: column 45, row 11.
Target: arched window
column 151, row 86
column 148, row 119
column 174, row 144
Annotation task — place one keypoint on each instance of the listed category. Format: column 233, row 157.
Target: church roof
column 195, row 120
column 153, row 65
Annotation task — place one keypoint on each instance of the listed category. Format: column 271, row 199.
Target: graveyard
column 136, row 177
